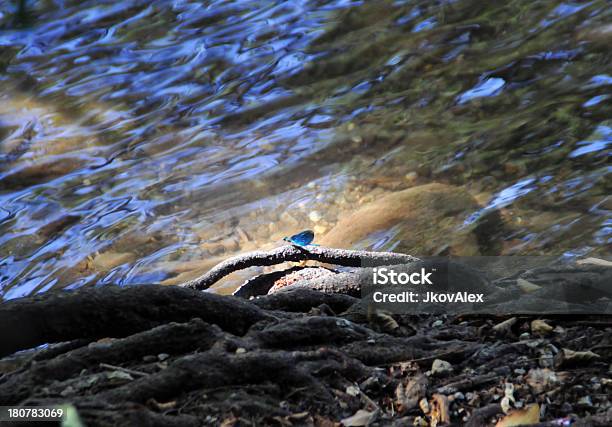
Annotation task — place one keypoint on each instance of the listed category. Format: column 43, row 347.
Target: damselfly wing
column 304, row 238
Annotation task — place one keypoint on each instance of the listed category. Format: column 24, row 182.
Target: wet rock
column 43, row 142
column 425, row 217
column 108, row 260
column 317, row 279
column 34, row 172
column 57, row 226
column 187, row 270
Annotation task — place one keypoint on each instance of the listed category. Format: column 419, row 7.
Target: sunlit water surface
column 141, row 138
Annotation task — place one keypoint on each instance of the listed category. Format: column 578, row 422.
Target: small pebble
column 459, row 396
column 149, row 358
column 353, row 390
column 424, row 405
column 163, row 356
column 314, row 216
column 524, row 336
column 441, row 367
column 505, row 327
column 519, row 371
column 420, row 422
column 411, row 177
column 437, row 323
column 586, row 401
column 540, row 327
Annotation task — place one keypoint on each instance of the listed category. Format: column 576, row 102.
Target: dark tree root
column 303, row 300
column 180, row 357
column 115, row 312
column 169, row 338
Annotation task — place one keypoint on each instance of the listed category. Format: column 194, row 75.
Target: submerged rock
column 421, row 218
column 46, row 140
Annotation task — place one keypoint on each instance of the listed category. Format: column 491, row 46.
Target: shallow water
column 140, row 138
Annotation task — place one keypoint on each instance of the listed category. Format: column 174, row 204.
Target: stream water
column 138, row 138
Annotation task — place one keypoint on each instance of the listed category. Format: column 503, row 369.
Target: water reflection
column 488, row 87
column 598, row 143
column 143, row 141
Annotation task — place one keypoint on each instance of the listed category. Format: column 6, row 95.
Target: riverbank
column 183, row 357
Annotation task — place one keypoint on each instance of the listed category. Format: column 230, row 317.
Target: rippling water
column 141, row 138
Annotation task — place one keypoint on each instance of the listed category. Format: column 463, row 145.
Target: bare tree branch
column 344, row 257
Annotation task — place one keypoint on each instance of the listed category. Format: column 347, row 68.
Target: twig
column 286, row 253
column 432, row 358
column 122, row 369
column 467, row 383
